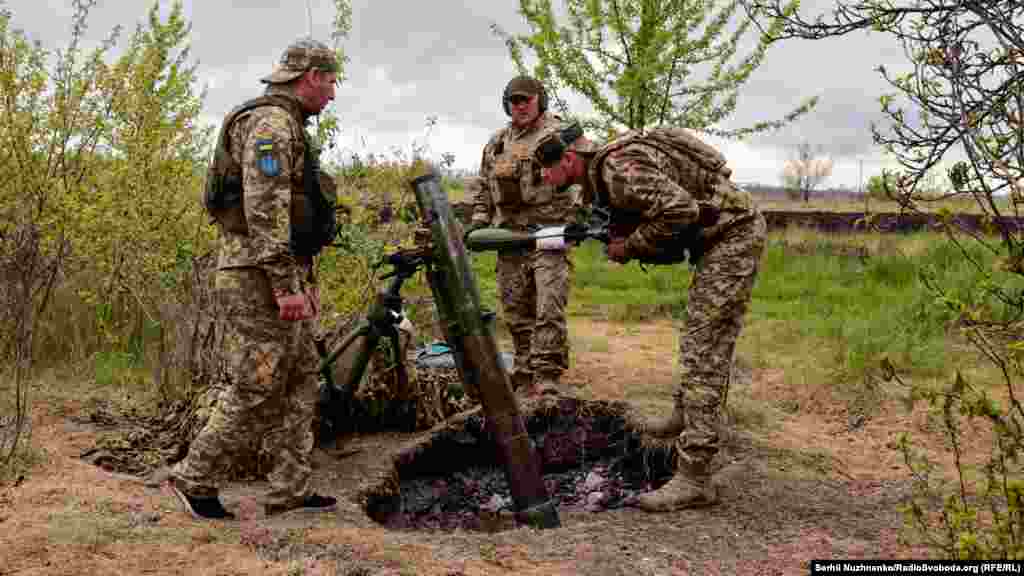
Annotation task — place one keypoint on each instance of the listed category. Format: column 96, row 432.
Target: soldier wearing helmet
column 533, row 286
column 670, row 199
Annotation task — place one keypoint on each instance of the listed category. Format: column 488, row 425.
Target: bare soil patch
column 814, row 483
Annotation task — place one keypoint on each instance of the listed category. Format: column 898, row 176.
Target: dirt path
column 798, row 485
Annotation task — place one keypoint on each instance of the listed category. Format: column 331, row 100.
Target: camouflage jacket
column 512, row 189
column 664, row 186
column 269, row 143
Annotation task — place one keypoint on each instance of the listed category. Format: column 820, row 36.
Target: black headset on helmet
column 542, row 102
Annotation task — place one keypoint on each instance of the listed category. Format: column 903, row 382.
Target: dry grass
column 72, row 518
column 959, row 205
column 873, row 243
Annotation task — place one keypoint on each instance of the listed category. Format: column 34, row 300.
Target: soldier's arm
column 637, row 185
column 483, row 201
column 268, row 166
column 479, row 195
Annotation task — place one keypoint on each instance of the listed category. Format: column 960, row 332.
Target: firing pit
column 450, row 478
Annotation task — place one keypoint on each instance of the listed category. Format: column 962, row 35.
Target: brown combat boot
column 691, row 487
column 669, row 427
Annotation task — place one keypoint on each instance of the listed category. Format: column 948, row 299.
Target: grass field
column 831, row 305
column 824, row 311
column 844, row 204
column 457, row 193
column 838, row 304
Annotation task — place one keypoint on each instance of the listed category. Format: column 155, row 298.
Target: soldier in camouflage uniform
column 263, row 190
column 533, row 286
column 670, row 197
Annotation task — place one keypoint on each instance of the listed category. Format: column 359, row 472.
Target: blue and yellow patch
column 266, row 160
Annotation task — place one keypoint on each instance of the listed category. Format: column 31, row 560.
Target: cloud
column 447, row 135
column 410, row 61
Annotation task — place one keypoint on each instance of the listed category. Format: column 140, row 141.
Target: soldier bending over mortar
column 670, row 198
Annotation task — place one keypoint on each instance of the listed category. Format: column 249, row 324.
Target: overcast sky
column 413, row 59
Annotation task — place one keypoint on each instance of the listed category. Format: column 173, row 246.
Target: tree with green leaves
column 639, row 62
column 328, row 125
column 958, row 102
column 877, row 186
column 99, row 181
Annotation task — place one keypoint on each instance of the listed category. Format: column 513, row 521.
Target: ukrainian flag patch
column 266, row 159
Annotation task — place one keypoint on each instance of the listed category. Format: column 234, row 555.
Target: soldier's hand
column 616, row 250
column 293, row 307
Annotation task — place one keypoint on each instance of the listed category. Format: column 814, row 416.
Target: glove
column 695, row 252
column 575, row 232
column 292, row 307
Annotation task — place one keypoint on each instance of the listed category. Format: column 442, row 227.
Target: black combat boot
column 311, row 503
column 205, row 508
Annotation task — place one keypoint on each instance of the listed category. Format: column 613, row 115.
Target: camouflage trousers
column 534, row 289
column 719, row 296
column 267, row 369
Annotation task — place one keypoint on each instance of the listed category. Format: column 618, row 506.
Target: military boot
column 200, row 508
column 311, row 503
column 663, row 427
column 691, row 487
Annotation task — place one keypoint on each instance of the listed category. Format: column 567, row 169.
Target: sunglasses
column 519, row 99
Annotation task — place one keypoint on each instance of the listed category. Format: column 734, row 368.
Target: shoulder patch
column 266, row 158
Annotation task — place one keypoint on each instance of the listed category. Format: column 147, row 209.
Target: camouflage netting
column 409, row 397
column 141, row 441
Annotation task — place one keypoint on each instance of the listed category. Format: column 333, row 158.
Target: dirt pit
column 452, row 479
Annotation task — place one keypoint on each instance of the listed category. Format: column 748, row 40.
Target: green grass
column 828, row 307
column 110, row 368
column 604, row 289
column 825, row 308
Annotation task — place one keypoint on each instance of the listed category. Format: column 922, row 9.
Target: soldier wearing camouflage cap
column 275, row 213
column 533, row 286
column 671, row 199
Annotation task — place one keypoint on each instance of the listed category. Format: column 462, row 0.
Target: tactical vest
column 313, row 220
column 700, row 170
column 516, row 182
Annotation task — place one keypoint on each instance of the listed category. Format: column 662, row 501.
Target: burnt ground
column 796, row 485
column 589, row 461
column 779, row 510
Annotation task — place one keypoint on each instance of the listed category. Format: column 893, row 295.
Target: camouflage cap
column 301, row 55
column 525, row 86
column 559, row 139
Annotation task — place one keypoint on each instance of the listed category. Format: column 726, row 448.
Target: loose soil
column 589, row 458
column 819, row 481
